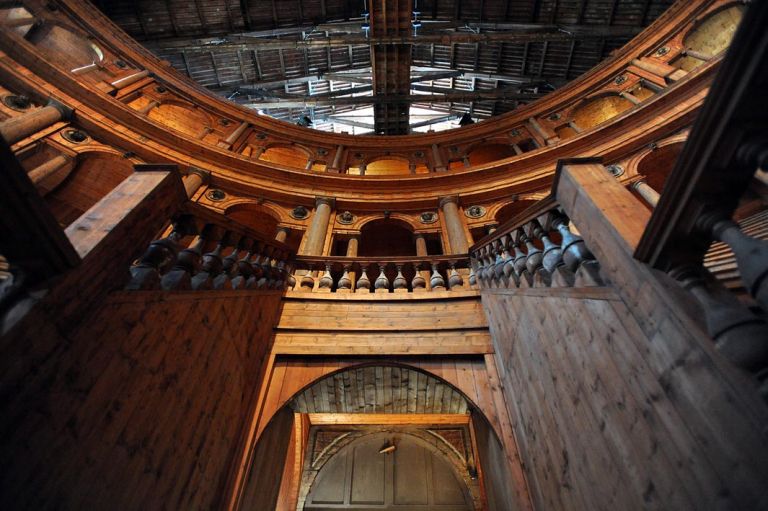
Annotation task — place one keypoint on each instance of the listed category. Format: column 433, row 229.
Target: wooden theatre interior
column 404, row 255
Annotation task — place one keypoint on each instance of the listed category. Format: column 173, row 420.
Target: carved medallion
column 475, row 211
column 346, row 218
column 75, row 136
column 428, row 217
column 216, row 195
column 615, row 170
column 299, row 212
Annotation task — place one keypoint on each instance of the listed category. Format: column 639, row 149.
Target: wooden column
column 454, row 225
column 22, row 126
column 282, row 234
column 194, row 180
column 121, row 83
column 319, row 226
column 438, row 159
column 336, row 164
column 149, row 106
column 645, row 191
column 40, row 174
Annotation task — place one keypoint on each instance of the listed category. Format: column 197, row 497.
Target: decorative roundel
column 615, row 170
column 428, row 217
column 160, row 89
column 75, row 136
column 514, row 133
column 346, row 218
column 322, row 151
column 662, row 51
column 419, row 154
column 225, row 122
column 554, row 117
column 299, row 212
column 216, row 195
column 620, row 79
column 15, row 102
column 475, row 211
column 120, row 64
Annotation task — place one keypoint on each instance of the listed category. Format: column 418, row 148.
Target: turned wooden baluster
column 576, row 256
column 520, row 257
column 282, row 271
column 266, row 267
column 307, row 282
column 291, row 280
column 244, row 268
column 381, row 284
column 513, row 279
column 533, row 261
column 552, row 256
column 211, row 266
column 275, row 276
column 418, row 283
column 257, row 272
column 187, row 263
column 489, row 258
column 363, row 284
column 345, row 283
column 738, row 333
column 400, row 284
column 223, row 280
column 436, row 281
column 507, row 267
column 230, row 262
column 326, row 281
column 473, row 265
column 454, row 279
column 498, row 263
column 751, row 257
column 159, row 257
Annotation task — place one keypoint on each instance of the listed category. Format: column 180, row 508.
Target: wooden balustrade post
column 224, row 280
column 381, row 284
column 187, row 263
column 345, row 282
column 419, row 282
column 158, row 258
column 21, row 126
column 400, row 284
column 577, row 258
column 363, row 284
column 508, row 268
column 244, row 267
column 552, row 256
column 738, row 333
column 326, row 281
column 211, row 265
column 437, row 282
column 521, row 257
column 266, row 267
column 454, row 279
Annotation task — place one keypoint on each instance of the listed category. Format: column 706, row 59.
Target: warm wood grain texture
column 141, row 406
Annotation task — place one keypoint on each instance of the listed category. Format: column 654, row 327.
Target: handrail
column 530, row 213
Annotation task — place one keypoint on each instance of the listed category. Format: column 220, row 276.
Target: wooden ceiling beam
column 447, row 97
column 246, row 13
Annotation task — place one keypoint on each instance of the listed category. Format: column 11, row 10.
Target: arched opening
column 596, row 111
column 489, row 153
column 386, row 237
column 94, row 176
column 412, row 473
column 301, row 460
column 711, row 36
column 255, row 217
column 182, row 118
column 290, row 156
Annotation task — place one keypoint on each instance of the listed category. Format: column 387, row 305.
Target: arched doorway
column 386, row 471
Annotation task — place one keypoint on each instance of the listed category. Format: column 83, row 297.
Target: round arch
column 257, row 217
column 180, row 117
column 386, row 237
column 385, row 165
column 290, row 155
column 711, row 35
column 599, row 109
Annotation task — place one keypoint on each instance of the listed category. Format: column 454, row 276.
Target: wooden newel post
column 22, row 126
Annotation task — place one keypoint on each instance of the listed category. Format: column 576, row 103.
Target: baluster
column 400, row 285
column 381, row 284
column 277, row 276
column 211, row 265
column 454, row 279
column 419, row 283
column 266, row 267
column 326, row 281
column 257, row 272
column 187, row 262
column 281, row 271
column 533, row 262
column 472, row 275
column 291, row 281
column 436, row 281
column 751, row 257
column 576, row 256
column 489, row 259
column 498, row 263
column 160, row 255
column 224, row 279
column 243, row 265
column 520, row 258
column 345, row 283
column 550, row 258
column 307, row 281
column 739, row 334
column 363, row 284
column 507, row 266
column 513, row 279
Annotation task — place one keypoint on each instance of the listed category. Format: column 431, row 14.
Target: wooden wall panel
column 590, row 407
column 143, row 405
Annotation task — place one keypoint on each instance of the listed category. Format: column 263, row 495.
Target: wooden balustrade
column 535, row 249
column 379, row 275
column 204, row 250
column 727, row 146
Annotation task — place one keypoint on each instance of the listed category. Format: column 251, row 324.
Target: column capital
column 65, row 111
column 329, row 201
column 205, row 175
column 638, row 182
column 447, row 200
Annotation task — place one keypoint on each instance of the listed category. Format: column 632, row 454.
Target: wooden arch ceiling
column 288, row 57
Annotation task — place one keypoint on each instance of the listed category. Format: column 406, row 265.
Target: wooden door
column 410, row 478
